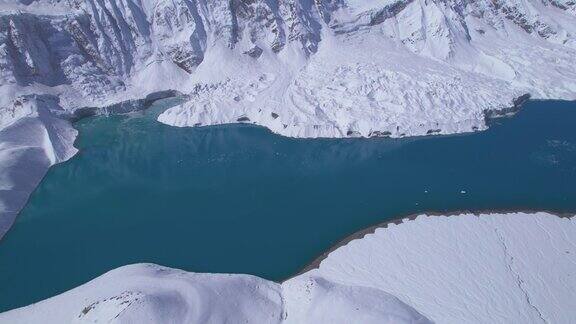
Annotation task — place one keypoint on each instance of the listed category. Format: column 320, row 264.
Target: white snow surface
column 28, row 147
column 147, row 293
column 511, row 268
column 490, row 268
column 303, row 68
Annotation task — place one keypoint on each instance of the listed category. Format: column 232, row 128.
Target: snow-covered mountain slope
column 302, row 68
column 507, row 268
column 147, row 293
column 28, row 147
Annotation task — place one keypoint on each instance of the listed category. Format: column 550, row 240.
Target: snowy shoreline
column 418, row 271
column 360, row 234
column 47, row 106
column 41, row 139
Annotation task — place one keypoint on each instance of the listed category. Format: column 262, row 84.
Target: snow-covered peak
column 331, row 68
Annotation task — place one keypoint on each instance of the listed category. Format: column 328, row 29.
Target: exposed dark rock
column 83, row 113
column 388, row 12
column 379, row 134
column 254, row 52
column 516, row 106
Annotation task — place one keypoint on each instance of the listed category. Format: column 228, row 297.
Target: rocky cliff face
column 99, row 47
column 116, row 35
column 100, row 43
column 320, row 67
column 302, row 68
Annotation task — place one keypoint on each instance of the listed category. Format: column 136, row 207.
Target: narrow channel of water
column 240, row 199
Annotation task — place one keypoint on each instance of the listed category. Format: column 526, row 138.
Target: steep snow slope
column 302, row 68
column 510, row 268
column 28, row 147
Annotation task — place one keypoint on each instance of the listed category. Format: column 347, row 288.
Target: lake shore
column 315, row 264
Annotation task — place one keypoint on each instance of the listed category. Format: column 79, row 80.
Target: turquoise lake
column 240, row 199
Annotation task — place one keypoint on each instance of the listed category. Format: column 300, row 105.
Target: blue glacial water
column 240, row 199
